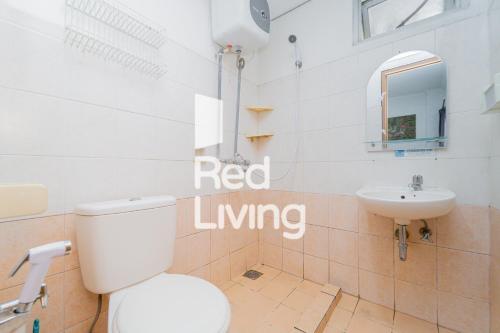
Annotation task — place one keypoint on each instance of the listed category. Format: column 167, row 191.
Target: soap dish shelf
column 254, row 137
column 259, row 108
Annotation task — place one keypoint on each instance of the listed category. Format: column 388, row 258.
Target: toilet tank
column 123, row 242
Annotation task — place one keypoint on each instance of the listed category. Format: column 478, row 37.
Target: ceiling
column 279, row 7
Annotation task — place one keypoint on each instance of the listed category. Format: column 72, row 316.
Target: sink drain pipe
column 403, row 245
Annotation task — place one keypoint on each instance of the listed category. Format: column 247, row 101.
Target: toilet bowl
column 169, row 303
column 125, row 247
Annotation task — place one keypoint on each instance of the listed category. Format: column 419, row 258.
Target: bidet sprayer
column 40, row 259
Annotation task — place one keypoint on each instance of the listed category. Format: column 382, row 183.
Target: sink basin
column 404, row 204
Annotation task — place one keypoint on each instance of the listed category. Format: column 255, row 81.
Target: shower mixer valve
column 238, row 160
column 34, row 288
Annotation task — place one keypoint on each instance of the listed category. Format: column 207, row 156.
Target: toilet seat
column 170, row 303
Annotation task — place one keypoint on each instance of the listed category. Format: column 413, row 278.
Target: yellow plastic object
column 254, row 137
column 259, row 108
column 22, row 199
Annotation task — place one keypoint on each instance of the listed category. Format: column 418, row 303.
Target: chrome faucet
column 417, row 183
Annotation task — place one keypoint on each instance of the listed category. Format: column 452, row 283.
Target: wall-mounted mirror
column 406, row 103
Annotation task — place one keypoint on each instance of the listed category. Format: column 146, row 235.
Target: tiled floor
column 275, row 301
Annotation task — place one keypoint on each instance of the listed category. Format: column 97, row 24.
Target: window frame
column 362, row 20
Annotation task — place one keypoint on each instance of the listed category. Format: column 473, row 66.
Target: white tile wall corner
column 92, row 131
column 333, row 98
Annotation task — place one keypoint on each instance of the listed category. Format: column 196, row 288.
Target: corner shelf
column 259, row 108
column 254, row 137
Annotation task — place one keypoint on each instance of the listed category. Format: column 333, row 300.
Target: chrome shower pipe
column 220, row 56
column 240, row 63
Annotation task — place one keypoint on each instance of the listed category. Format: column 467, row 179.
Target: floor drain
column 253, row 275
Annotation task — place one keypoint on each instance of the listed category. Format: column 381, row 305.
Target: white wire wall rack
column 116, row 33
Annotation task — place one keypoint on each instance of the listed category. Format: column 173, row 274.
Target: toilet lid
column 173, row 303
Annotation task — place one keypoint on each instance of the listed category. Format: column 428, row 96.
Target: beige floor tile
column 445, row 330
column 254, row 285
column 288, row 279
column 282, row 319
column 361, row 324
column 340, row 319
column 267, row 271
column 259, row 306
column 277, row 291
column 298, row 300
column 310, row 288
column 202, row 273
column 309, row 320
column 241, row 321
column 226, row 285
column 407, row 324
column 348, row 302
column 330, row 329
column 237, row 294
column 375, row 312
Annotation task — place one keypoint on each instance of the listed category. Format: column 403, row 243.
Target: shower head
column 298, row 58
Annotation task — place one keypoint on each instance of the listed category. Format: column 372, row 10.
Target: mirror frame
column 385, row 84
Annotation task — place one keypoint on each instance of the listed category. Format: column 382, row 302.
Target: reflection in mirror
column 407, row 103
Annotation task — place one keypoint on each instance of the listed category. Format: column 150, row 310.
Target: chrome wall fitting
column 34, row 288
column 425, row 232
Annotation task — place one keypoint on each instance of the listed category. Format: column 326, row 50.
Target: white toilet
column 125, row 247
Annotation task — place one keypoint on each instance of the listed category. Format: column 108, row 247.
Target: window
column 382, row 16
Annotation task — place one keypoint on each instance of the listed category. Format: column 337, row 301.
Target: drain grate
column 252, row 274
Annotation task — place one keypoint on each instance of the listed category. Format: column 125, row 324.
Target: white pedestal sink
column 404, row 205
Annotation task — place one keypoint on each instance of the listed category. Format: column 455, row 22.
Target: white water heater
column 241, row 23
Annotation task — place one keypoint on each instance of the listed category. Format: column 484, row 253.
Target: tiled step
column 317, row 315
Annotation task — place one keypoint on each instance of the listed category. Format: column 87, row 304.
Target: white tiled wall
column 494, row 26
column 332, row 156
column 90, row 130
